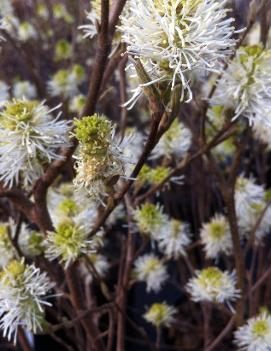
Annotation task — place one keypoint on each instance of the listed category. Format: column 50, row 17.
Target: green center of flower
column 17, row 111
column 151, row 265
column 210, row 276
column 159, row 174
column 148, row 217
column 12, row 273
column 260, row 328
column 217, row 230
column 69, row 238
column 157, row 313
column 175, row 228
column 68, row 207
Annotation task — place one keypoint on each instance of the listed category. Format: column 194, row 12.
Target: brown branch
column 40, row 189
column 77, row 302
column 222, row 335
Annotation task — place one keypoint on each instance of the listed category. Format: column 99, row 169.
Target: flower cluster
column 175, row 141
column 183, row 36
column 150, row 269
column 216, row 236
column 69, row 241
column 211, row 284
column 245, row 86
column 160, row 314
column 255, row 335
column 29, row 138
column 23, row 289
column 65, row 82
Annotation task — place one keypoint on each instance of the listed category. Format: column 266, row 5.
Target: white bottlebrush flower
column 262, row 133
column 4, row 92
column 100, row 161
column 173, row 238
column 26, row 31
column 245, row 86
column 66, row 82
column 43, row 11
column 93, row 18
column 69, row 241
column 29, row 138
column 60, row 12
column 211, row 284
column 6, row 8
column 258, row 212
column 133, row 148
column 177, row 37
column 65, row 202
column 149, row 269
column 77, row 103
column 23, row 289
column 255, row 335
column 176, row 141
column 160, row 314
column 247, row 195
column 24, row 89
column 7, row 251
column 100, row 263
column 216, row 236
column 30, row 241
column 150, row 219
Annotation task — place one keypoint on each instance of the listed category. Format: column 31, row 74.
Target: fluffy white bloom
column 255, row 335
column 247, row 196
column 24, row 89
column 100, row 161
column 42, row 11
column 66, row 203
column 133, row 148
column 23, row 289
column 26, row 31
column 77, row 103
column 93, row 16
column 177, row 37
column 150, row 269
column 150, row 219
column 246, row 85
column 173, row 238
column 100, row 263
column 211, row 284
column 216, row 236
column 30, row 241
column 258, row 212
column 65, row 82
column 262, row 133
column 176, row 141
column 7, row 251
column 160, row 314
column 29, row 138
column 6, row 8
column 60, row 12
column 4, row 92
column 69, row 241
